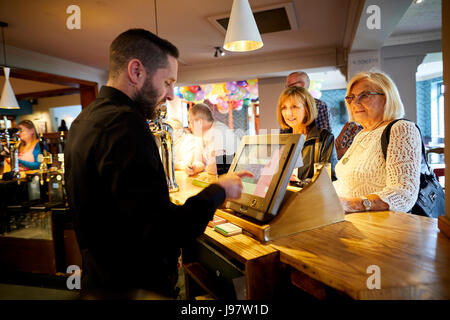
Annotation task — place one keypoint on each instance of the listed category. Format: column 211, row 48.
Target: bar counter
column 410, row 253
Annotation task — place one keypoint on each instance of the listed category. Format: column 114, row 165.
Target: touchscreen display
column 262, row 160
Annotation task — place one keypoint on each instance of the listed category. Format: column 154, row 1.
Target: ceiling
column 323, row 28
column 22, row 86
column 40, row 26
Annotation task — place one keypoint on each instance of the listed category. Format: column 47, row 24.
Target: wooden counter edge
column 258, row 231
column 238, row 246
column 444, row 225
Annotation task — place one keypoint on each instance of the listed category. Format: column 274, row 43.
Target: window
column 437, row 112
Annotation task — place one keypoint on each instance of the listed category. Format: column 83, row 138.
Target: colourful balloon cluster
column 314, row 89
column 233, row 94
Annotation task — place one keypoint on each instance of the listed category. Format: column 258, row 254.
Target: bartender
column 29, row 148
column 128, row 230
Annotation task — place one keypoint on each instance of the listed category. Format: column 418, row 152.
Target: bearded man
column 128, row 231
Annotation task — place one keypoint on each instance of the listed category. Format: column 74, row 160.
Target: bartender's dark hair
column 139, row 44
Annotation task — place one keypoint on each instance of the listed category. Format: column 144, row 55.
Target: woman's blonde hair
column 29, row 125
column 297, row 94
column 393, row 108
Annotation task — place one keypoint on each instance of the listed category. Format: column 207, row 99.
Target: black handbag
column 431, row 199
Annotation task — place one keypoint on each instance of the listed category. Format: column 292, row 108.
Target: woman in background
column 296, row 113
column 63, row 126
column 29, row 149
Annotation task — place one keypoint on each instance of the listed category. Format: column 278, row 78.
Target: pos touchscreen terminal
column 271, row 159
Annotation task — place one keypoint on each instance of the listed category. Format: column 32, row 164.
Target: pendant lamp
column 8, row 99
column 242, row 32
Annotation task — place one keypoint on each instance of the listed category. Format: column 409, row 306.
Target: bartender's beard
column 147, row 100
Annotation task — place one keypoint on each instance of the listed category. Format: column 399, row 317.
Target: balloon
column 231, row 87
column 252, row 81
column 242, row 93
column 189, row 96
column 199, row 95
column 193, row 89
column 207, row 88
column 222, row 105
column 183, row 89
column 246, row 94
column 246, row 102
column 177, row 92
column 253, row 89
column 217, row 89
column 222, row 109
column 212, row 98
column 242, row 83
column 316, row 94
column 238, row 105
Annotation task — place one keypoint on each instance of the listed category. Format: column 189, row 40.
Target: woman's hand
column 352, row 204
column 356, row 204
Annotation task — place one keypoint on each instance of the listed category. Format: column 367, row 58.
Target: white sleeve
column 403, row 161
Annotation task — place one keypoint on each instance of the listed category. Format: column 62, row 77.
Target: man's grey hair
column 301, row 73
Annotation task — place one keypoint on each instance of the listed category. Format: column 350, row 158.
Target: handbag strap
column 385, row 140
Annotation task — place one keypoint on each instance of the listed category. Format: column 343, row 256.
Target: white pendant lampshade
column 8, row 99
column 242, row 32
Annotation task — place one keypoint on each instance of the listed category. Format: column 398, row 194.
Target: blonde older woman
column 366, row 181
column 296, row 112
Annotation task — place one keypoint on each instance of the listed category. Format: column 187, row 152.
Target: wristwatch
column 366, row 203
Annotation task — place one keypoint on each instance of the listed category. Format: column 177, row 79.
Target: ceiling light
column 242, row 32
column 8, row 99
column 418, row 1
column 218, row 51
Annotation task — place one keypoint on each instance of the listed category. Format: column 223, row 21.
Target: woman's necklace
column 345, row 160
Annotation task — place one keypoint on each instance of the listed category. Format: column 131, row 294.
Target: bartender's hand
column 232, row 183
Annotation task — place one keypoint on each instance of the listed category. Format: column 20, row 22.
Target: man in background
column 301, row 79
column 218, row 139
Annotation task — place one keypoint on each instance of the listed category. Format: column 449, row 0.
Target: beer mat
column 200, row 183
column 204, row 179
column 228, row 229
column 216, row 221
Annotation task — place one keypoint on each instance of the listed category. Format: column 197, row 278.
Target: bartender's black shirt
column 128, row 231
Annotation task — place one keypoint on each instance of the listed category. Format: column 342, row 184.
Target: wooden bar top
column 413, row 256
column 411, row 252
column 242, row 247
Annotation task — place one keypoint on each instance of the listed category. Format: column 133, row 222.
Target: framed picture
column 41, row 126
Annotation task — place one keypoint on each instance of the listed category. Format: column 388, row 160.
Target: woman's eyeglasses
column 362, row 97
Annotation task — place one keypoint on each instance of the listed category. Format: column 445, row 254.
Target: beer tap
column 163, row 133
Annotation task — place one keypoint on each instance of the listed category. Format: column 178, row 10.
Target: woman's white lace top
column 396, row 180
